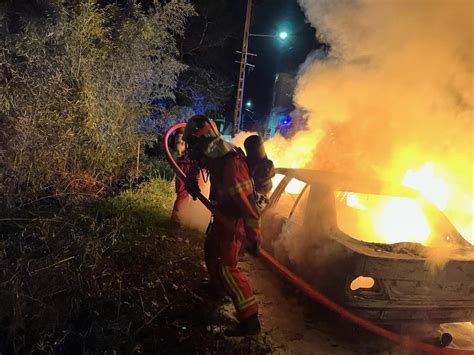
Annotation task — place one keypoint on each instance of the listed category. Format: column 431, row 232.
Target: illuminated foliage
column 75, row 81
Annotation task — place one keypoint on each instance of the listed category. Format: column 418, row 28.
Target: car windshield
column 382, row 219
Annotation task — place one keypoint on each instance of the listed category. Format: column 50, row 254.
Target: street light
column 243, row 65
column 283, row 35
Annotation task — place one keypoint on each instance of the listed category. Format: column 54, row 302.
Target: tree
column 76, row 82
column 209, row 50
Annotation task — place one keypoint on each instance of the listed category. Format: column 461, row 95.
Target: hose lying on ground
column 306, row 288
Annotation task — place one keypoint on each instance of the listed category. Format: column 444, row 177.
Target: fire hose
column 305, row 287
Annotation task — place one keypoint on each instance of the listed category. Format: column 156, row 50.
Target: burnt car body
column 303, row 232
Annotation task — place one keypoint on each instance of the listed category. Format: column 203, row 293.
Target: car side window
column 289, row 205
column 285, row 204
column 292, row 201
column 299, row 208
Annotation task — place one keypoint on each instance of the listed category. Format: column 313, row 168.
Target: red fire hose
column 307, row 289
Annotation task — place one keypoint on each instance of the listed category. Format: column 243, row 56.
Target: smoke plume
column 395, row 91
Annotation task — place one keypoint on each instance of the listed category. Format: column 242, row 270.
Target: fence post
column 138, row 160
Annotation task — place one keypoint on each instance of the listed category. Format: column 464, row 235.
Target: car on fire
column 320, row 226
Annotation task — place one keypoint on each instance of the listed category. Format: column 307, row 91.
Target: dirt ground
column 294, row 324
column 149, row 295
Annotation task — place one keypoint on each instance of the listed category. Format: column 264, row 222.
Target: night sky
column 274, row 55
column 226, row 21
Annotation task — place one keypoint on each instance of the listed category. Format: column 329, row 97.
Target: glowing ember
column 362, row 282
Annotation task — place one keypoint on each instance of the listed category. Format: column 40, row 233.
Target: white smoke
column 194, row 214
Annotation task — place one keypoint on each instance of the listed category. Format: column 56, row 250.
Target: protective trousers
column 221, row 251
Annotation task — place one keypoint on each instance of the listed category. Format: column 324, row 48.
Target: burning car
column 381, row 250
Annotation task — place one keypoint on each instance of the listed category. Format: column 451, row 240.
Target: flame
column 294, row 153
column 419, row 132
column 294, row 186
column 400, row 220
column 396, row 219
column 353, row 201
column 433, row 188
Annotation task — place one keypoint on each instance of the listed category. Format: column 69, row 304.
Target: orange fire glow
column 392, row 219
column 399, row 219
column 415, row 227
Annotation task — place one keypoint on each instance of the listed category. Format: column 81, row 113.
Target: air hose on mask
column 305, row 287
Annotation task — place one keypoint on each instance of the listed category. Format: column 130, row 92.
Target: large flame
column 402, row 219
column 296, row 153
column 433, row 188
column 396, row 219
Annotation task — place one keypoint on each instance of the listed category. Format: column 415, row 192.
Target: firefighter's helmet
column 199, row 132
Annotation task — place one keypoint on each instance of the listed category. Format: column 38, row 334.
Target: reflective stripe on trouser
column 239, row 290
column 222, row 255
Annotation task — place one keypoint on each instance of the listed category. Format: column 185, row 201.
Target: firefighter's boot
column 249, row 326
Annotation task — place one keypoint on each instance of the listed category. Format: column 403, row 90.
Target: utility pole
column 243, row 65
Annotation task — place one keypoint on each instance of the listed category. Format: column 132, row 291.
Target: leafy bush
column 74, row 86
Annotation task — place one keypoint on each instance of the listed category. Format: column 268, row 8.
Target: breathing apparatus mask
column 203, row 139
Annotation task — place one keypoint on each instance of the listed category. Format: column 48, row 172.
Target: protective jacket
column 232, row 192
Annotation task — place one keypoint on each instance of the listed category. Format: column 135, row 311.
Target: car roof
column 349, row 183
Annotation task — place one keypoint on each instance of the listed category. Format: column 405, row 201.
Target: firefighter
column 182, row 196
column 232, row 194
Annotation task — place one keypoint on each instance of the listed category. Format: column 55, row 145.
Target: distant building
column 284, row 117
column 282, row 104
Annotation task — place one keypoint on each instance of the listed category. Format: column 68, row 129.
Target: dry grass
column 111, row 276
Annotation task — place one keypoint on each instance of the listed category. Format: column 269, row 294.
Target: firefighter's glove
column 253, row 247
column 192, row 186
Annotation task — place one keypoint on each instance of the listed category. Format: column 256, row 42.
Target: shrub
column 74, row 86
